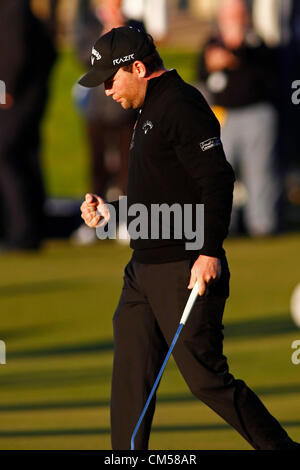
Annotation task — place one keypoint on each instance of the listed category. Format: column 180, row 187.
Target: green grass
column 57, row 308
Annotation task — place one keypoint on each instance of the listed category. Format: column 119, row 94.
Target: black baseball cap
column 119, row 47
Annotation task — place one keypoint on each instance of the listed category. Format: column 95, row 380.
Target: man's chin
column 124, row 104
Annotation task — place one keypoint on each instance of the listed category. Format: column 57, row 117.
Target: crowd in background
column 27, row 56
column 245, row 69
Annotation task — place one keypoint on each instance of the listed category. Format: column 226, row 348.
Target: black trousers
column 145, row 322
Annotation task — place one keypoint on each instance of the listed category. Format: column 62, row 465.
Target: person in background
column 278, row 23
column 290, row 75
column 109, row 127
column 182, row 4
column 27, row 56
column 240, row 75
column 153, row 13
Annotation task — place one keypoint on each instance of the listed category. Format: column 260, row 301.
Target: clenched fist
column 94, row 211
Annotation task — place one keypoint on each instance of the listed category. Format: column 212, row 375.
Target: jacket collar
column 157, row 84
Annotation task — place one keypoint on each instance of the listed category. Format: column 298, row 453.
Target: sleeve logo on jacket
column 210, row 143
column 147, row 126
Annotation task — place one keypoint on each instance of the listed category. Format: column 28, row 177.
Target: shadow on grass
column 97, row 346
column 261, row 327
column 27, row 331
column 41, row 379
column 103, row 403
column 41, row 287
column 258, row 327
column 101, row 431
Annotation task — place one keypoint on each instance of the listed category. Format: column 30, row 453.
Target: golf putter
column 187, row 310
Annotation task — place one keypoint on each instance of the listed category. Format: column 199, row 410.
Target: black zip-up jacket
column 176, row 156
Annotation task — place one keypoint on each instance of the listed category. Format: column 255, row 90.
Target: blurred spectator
column 109, row 126
column 289, row 72
column 183, row 4
column 266, row 20
column 240, row 75
column 27, row 56
column 153, row 13
column 278, row 23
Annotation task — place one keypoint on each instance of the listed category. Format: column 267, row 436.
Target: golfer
column 176, row 157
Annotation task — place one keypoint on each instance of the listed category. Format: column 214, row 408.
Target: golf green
column 56, row 322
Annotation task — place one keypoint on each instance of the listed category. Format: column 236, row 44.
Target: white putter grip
column 190, row 303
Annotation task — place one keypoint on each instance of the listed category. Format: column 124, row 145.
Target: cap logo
column 120, row 60
column 95, row 55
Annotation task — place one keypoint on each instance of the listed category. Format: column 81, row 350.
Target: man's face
column 126, row 88
column 233, row 19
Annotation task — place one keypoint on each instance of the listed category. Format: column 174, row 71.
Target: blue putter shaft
column 187, row 310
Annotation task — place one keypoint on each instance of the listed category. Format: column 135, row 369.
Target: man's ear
column 139, row 68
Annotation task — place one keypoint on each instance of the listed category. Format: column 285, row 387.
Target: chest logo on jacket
column 147, row 126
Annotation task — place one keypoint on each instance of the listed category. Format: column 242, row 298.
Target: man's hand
column 94, row 211
column 205, row 270
column 217, row 58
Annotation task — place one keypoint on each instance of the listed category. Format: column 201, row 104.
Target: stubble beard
column 126, row 104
